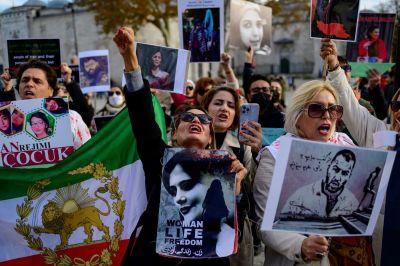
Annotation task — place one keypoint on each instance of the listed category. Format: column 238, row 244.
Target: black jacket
column 151, row 148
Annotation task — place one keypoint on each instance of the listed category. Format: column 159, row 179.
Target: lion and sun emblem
column 71, row 208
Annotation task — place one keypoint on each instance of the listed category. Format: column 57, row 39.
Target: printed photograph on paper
column 197, row 207
column 251, row 26
column 327, row 189
column 94, row 72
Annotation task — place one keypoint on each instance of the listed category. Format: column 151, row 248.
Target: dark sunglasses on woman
column 188, row 117
column 111, row 93
column 395, row 105
column 189, row 88
column 316, row 110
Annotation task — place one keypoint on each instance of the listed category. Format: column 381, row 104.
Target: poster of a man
column 321, row 188
column 334, row 19
column 251, row 26
column 201, row 29
column 327, row 197
column 196, row 197
column 94, row 71
column 374, row 39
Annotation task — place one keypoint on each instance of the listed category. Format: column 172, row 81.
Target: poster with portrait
column 334, row 19
column 20, row 51
column 35, row 132
column 327, row 189
column 197, row 216
column 94, row 71
column 374, row 39
column 251, row 25
column 201, row 29
column 160, row 66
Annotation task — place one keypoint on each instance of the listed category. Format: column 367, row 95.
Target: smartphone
column 248, row 112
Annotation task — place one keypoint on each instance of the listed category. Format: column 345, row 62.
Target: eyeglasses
column 395, row 105
column 111, row 93
column 203, row 118
column 316, row 110
column 189, row 88
column 260, row 89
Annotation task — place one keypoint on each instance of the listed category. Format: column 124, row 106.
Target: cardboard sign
column 35, row 132
column 20, row 51
column 197, row 207
column 326, row 189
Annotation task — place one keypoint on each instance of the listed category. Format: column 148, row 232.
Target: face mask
column 116, row 100
column 261, row 99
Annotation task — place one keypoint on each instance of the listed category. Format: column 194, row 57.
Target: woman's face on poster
column 39, row 127
column 156, row 59
column 188, row 193
column 4, row 123
column 251, row 29
column 374, row 34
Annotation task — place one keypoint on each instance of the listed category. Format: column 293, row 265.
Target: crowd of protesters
column 370, row 105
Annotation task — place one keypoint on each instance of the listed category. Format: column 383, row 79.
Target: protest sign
column 201, row 29
column 251, row 26
column 374, row 39
column 160, row 66
column 327, row 189
column 94, row 71
column 35, row 132
column 20, row 51
column 197, row 205
column 334, row 19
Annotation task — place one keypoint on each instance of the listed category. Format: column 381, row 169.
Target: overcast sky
column 370, row 4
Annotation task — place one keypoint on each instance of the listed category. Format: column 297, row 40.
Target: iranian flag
column 82, row 210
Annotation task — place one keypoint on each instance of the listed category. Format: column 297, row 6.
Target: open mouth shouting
column 195, row 129
column 324, row 129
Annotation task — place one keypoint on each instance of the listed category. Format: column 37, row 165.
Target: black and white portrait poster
column 201, row 29
column 197, row 216
column 94, row 71
column 160, row 66
column 327, row 189
column 374, row 39
column 251, row 26
column 334, row 19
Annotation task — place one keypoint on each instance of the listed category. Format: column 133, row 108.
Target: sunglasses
column 316, row 110
column 395, row 105
column 260, row 89
column 203, row 118
column 111, row 93
column 189, row 88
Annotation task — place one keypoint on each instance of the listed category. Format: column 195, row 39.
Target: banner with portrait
column 20, row 51
column 197, row 216
column 201, row 29
column 374, row 39
column 251, row 26
column 94, row 71
column 159, row 65
column 334, row 19
column 35, row 132
column 327, row 189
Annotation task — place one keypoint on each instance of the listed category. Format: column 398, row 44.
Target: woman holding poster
column 193, row 129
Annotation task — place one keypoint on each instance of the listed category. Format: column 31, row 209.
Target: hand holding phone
column 248, row 112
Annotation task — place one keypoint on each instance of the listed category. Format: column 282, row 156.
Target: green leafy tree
column 135, row 13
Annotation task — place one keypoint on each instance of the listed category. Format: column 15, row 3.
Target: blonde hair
column 301, row 98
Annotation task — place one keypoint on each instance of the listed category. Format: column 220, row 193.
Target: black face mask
column 261, row 99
